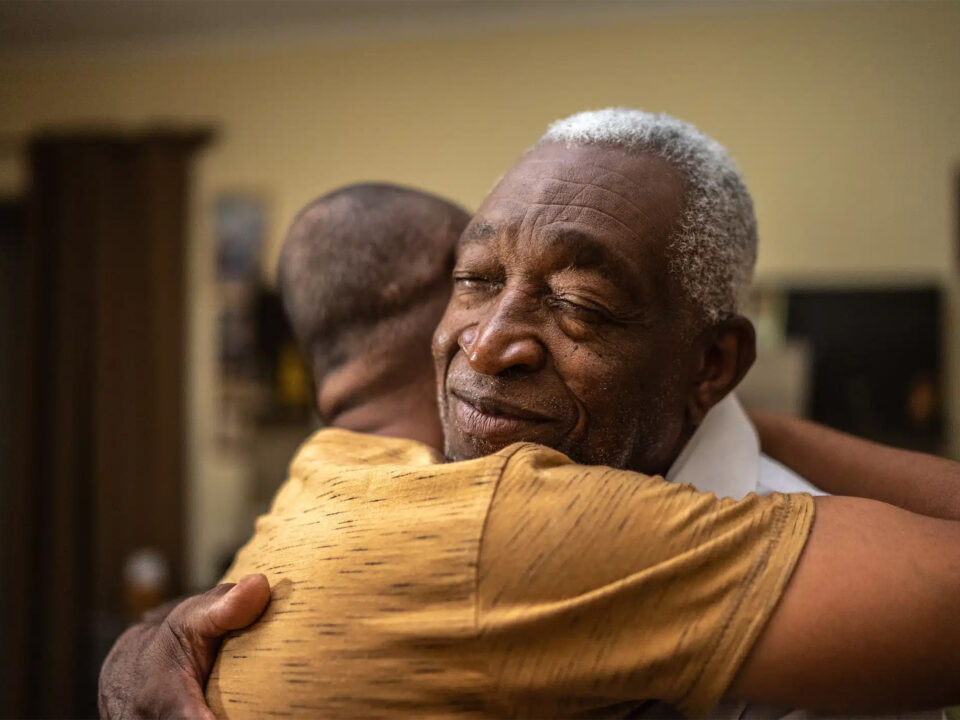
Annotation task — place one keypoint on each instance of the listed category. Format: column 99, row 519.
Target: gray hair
column 714, row 247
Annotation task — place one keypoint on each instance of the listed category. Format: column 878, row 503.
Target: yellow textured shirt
column 517, row 584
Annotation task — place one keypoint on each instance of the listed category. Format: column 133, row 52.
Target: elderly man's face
column 565, row 326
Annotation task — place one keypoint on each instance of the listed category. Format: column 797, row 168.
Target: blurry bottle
column 145, row 576
column 293, row 379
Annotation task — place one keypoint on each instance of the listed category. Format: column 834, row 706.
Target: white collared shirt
column 723, row 457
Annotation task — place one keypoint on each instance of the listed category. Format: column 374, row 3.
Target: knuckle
column 161, row 696
column 182, row 646
column 193, row 614
column 120, row 673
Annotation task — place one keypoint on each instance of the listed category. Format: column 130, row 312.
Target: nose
column 506, row 340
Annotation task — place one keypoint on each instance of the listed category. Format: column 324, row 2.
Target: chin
column 459, row 449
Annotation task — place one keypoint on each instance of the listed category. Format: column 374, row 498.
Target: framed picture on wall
column 240, row 226
column 240, row 223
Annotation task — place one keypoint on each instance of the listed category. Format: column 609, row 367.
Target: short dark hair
column 360, row 257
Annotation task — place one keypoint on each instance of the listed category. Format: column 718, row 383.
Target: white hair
column 714, row 246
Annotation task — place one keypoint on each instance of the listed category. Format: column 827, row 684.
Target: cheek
column 619, row 390
column 657, row 408
column 593, row 378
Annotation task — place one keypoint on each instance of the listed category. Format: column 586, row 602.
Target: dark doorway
column 15, row 494
column 92, row 329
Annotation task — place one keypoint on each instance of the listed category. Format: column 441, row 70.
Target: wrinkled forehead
column 608, row 191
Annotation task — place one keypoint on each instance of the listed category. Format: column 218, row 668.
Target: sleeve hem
column 483, row 533
column 761, row 593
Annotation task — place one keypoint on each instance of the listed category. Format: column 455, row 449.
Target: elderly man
column 667, row 337
column 572, row 323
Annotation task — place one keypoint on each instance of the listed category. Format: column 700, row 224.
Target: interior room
column 153, row 155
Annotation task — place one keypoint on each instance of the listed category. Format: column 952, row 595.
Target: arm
column 870, row 620
column 158, row 668
column 845, row 465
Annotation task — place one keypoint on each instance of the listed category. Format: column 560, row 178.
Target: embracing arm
column 842, row 464
column 158, row 667
column 870, row 620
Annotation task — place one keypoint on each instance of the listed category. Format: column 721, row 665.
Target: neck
column 361, row 398
column 662, row 447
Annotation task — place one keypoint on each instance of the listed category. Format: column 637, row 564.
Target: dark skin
column 566, row 326
column 158, row 667
column 389, row 389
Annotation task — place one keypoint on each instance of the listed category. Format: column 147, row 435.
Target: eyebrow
column 589, row 252
column 479, row 232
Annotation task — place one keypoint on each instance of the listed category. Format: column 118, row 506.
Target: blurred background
column 152, row 154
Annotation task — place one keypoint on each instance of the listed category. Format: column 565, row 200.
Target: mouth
column 493, row 418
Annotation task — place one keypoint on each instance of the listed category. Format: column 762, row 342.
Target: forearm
column 845, row 465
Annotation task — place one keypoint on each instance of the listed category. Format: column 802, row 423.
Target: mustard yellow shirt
column 518, row 584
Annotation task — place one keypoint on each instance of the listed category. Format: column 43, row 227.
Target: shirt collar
column 723, row 455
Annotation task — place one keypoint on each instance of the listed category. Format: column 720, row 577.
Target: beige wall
column 844, row 118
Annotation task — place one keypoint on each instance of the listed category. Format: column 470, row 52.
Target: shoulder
column 650, row 589
column 552, row 476
column 333, row 447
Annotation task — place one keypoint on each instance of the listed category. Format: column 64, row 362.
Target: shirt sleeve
column 598, row 586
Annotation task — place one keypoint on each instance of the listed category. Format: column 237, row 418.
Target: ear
column 725, row 352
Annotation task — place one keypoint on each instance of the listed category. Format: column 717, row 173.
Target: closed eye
column 472, row 282
column 580, row 308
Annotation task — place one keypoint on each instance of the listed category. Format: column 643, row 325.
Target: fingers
column 167, row 692
column 119, row 676
column 192, row 705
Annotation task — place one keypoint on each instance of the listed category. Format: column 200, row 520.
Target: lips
column 493, row 418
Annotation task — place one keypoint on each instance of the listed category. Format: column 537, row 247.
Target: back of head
column 365, row 274
column 714, row 247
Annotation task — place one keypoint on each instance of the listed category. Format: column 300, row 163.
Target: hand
column 158, row 668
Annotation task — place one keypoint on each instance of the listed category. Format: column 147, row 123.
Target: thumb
column 197, row 624
column 241, row 605
column 218, row 611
